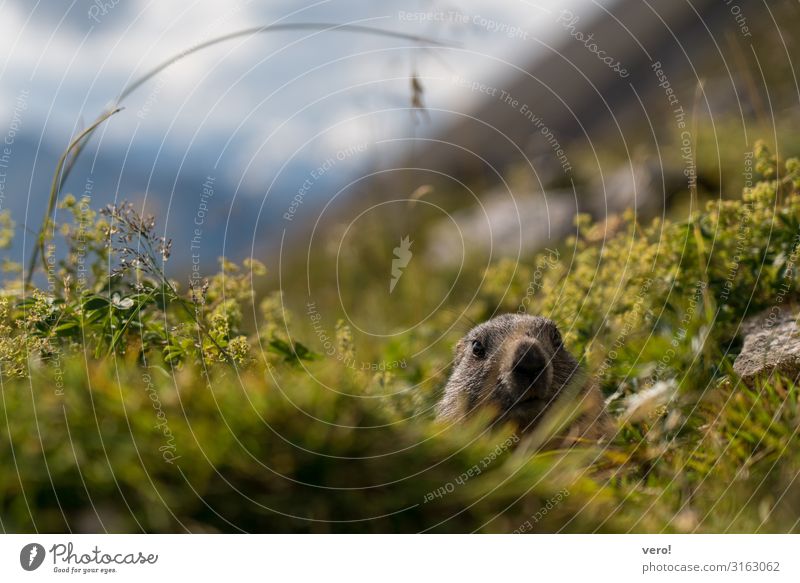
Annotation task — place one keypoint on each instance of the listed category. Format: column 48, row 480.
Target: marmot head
column 515, row 364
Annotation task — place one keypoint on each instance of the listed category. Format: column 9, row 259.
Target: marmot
column 517, row 365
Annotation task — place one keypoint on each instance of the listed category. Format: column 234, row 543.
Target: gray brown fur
column 517, row 365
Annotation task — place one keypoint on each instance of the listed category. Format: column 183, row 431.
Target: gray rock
column 771, row 343
column 643, row 184
column 504, row 225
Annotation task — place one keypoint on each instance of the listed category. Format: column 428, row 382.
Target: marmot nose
column 528, row 361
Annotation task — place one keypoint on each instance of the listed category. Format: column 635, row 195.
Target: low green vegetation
column 132, row 402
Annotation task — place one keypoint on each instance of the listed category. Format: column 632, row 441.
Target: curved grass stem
column 55, row 188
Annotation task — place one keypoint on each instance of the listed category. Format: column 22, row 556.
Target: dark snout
column 529, row 360
column 529, row 369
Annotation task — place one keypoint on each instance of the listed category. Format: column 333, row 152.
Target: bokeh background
column 403, row 169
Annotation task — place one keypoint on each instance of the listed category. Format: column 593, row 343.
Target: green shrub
column 132, row 404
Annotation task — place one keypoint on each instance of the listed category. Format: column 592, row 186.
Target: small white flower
column 645, row 402
column 121, row 303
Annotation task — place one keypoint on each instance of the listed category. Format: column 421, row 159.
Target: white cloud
column 69, row 68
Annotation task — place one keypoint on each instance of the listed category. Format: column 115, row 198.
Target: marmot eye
column 478, row 349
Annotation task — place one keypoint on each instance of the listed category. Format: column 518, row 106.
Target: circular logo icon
column 31, row 556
